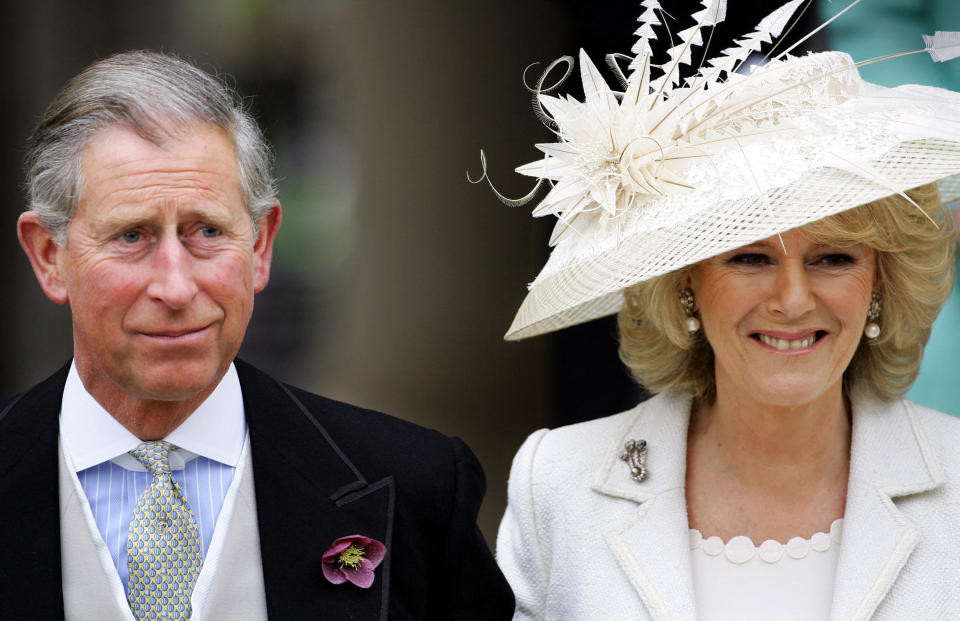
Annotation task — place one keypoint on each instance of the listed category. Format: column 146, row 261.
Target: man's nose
column 172, row 281
column 792, row 295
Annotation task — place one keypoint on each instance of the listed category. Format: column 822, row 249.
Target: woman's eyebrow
column 760, row 245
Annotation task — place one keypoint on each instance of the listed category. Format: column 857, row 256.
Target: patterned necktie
column 163, row 548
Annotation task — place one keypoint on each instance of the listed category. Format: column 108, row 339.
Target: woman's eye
column 836, row 259
column 750, row 259
column 131, row 237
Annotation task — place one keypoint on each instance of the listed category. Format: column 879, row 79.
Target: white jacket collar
column 890, row 458
column 889, row 448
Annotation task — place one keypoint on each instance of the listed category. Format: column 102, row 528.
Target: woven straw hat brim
column 592, row 287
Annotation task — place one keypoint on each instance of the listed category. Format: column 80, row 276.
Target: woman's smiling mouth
column 790, row 343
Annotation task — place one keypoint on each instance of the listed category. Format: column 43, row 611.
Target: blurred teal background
column 876, row 28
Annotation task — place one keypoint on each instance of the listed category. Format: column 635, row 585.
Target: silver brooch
column 635, row 454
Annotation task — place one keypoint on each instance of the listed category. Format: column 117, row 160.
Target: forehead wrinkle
column 176, row 209
column 127, row 190
column 131, row 183
column 200, row 180
column 104, row 170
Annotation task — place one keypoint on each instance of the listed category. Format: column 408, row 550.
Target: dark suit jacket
column 322, row 470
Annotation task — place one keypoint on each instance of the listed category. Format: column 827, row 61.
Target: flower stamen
column 352, row 557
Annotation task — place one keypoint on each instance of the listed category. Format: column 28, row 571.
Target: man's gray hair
column 157, row 96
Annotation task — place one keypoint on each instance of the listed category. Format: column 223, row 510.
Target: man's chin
column 174, row 381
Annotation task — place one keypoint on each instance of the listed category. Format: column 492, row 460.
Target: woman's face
column 784, row 326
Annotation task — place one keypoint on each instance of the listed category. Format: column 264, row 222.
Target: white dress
column 739, row 581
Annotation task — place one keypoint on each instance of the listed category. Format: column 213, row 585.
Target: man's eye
column 131, row 237
column 209, row 231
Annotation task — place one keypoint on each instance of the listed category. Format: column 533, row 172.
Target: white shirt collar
column 90, row 435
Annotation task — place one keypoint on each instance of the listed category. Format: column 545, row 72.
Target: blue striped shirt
column 209, row 444
column 113, row 491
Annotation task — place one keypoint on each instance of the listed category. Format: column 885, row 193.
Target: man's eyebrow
column 137, row 216
column 217, row 213
column 121, row 218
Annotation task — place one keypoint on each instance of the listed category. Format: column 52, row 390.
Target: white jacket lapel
column 890, row 458
column 647, row 546
column 235, row 589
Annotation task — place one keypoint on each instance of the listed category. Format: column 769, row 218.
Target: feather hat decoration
column 667, row 171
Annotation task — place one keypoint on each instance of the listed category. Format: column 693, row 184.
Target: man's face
column 161, row 264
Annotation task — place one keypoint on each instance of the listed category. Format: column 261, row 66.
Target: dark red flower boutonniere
column 353, row 559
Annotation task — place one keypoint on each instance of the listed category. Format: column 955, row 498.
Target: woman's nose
column 792, row 295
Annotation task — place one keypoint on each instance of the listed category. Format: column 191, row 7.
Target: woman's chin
column 790, row 391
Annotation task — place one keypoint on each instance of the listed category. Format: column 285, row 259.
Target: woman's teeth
column 784, row 344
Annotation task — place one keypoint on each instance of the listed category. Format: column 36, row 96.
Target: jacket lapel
column 30, row 577
column 890, row 458
column 308, row 494
column 647, row 545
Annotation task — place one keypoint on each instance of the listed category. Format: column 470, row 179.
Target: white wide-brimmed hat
column 666, row 173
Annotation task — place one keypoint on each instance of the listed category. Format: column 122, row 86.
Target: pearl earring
column 872, row 329
column 686, row 301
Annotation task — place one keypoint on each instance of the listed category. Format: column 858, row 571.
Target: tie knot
column 155, row 456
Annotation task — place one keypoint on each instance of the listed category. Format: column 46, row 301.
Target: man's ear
column 44, row 254
column 263, row 247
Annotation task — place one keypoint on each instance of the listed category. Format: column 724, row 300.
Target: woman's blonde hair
column 915, row 263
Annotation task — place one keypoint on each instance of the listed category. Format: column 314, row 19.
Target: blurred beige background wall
column 395, row 278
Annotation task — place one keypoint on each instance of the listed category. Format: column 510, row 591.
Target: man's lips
column 174, row 333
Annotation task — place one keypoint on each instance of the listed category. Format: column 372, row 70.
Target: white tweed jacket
column 580, row 540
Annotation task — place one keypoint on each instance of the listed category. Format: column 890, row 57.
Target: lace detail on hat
column 740, row 549
column 827, row 124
